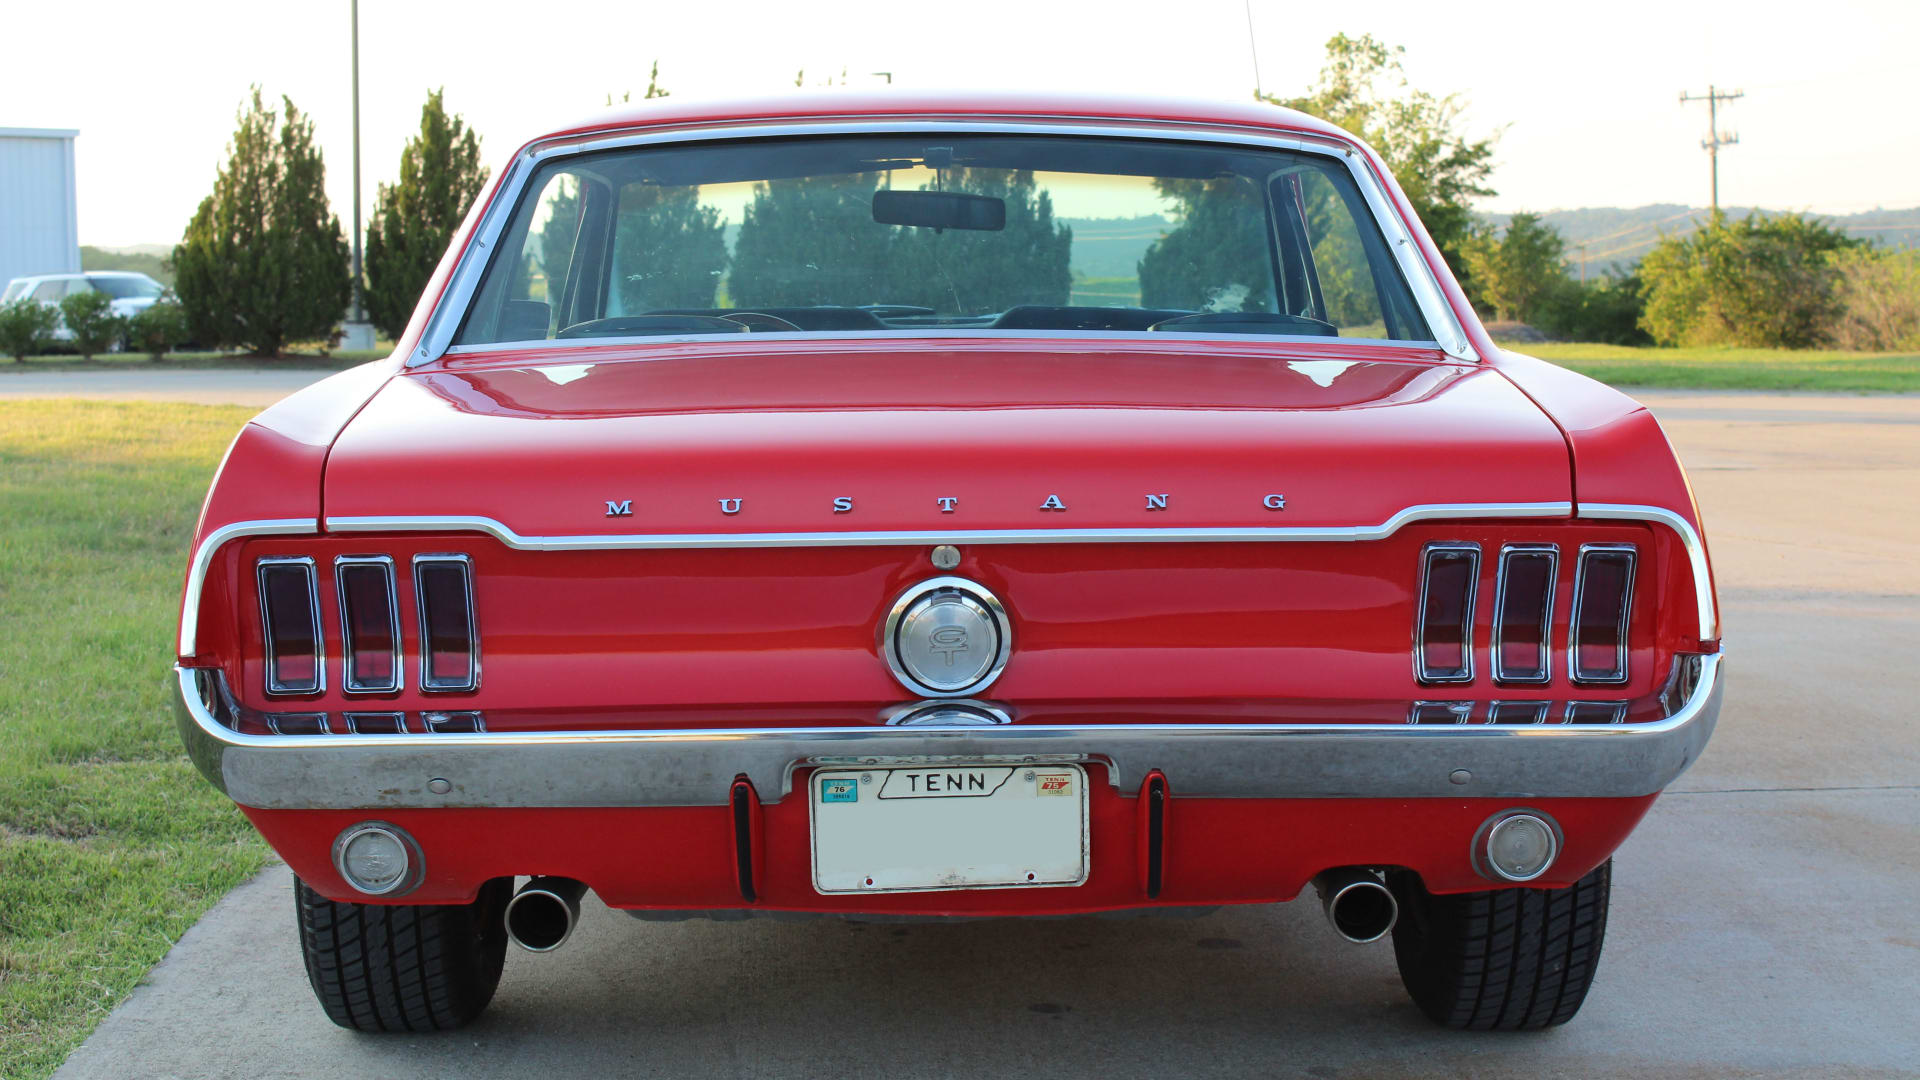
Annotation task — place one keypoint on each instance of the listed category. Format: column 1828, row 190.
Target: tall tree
column 1363, row 88
column 1515, row 271
column 1215, row 258
column 414, row 220
column 263, row 260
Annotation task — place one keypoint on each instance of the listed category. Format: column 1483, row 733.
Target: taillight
column 1602, row 608
column 369, row 623
column 1443, row 627
column 1523, row 613
column 290, row 616
column 449, row 647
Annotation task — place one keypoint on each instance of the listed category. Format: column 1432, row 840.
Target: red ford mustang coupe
column 947, row 507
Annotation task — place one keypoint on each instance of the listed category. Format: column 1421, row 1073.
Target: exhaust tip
column 542, row 915
column 1361, row 909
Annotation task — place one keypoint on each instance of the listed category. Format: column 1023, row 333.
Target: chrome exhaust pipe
column 542, row 915
column 1360, row 908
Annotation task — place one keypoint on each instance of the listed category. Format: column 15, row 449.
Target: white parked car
column 132, row 292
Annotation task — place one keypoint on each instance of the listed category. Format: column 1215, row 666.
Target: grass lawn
column 1737, row 369
column 111, row 845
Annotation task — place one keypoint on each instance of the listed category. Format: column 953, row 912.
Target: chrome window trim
column 890, row 626
column 1624, row 647
column 1421, row 280
column 956, row 333
column 465, row 563
column 1507, row 551
column 203, row 558
column 1420, row 672
column 347, row 681
column 677, row 767
column 273, row 685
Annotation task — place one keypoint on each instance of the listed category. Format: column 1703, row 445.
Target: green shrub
column 1879, row 300
column 25, row 327
column 1763, row 282
column 159, row 329
column 1607, row 311
column 89, row 315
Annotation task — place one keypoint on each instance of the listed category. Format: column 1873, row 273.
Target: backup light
column 1519, row 847
column 377, row 859
column 290, row 619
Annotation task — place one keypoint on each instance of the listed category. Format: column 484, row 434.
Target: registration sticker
column 839, row 789
column 1053, row 783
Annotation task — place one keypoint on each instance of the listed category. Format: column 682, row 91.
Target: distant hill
column 1616, row 235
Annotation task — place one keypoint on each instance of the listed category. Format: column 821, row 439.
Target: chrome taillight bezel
column 428, row 682
column 349, row 680
column 1421, row 670
column 1624, row 619
column 1508, row 553
column 274, row 686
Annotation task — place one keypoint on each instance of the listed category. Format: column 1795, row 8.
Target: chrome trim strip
column 944, row 333
column 1420, row 669
column 697, row 767
column 347, row 681
column 1622, row 625
column 465, row 280
column 1696, row 549
column 203, row 557
column 1507, row 552
column 273, row 685
column 915, row 537
column 427, row 685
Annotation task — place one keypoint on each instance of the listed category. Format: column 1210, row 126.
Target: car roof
column 908, row 104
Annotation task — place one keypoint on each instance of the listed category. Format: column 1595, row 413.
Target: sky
column 1584, row 97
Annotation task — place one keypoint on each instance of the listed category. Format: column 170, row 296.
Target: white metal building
column 39, row 219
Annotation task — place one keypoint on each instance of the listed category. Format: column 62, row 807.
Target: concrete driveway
column 1766, row 916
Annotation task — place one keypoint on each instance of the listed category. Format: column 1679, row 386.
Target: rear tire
column 395, row 967
column 1501, row 960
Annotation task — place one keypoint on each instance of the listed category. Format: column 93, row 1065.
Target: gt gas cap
column 946, row 637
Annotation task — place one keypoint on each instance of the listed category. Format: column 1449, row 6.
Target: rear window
column 860, row 234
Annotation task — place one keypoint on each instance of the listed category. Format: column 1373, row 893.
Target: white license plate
column 921, row 829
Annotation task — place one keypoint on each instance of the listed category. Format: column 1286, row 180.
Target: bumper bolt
column 1460, row 776
column 439, row 786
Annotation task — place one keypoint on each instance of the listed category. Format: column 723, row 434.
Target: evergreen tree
column 811, row 240
column 1215, row 258
column 263, row 261
column 974, row 272
column 668, row 249
column 1515, row 272
column 414, row 220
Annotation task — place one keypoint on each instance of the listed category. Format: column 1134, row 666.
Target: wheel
column 1504, row 959
column 390, row 967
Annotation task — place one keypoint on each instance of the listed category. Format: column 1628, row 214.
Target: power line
column 1715, row 137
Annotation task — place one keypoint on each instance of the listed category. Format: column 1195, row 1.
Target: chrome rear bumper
column 698, row 767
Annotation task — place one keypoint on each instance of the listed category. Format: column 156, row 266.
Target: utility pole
column 358, row 335
column 1715, row 137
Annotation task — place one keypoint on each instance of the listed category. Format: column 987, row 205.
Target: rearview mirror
column 940, row 210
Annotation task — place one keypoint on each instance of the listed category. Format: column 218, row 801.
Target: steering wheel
column 625, row 325
column 1249, row 322
column 760, row 321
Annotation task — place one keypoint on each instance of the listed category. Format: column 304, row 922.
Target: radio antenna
column 1253, row 47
